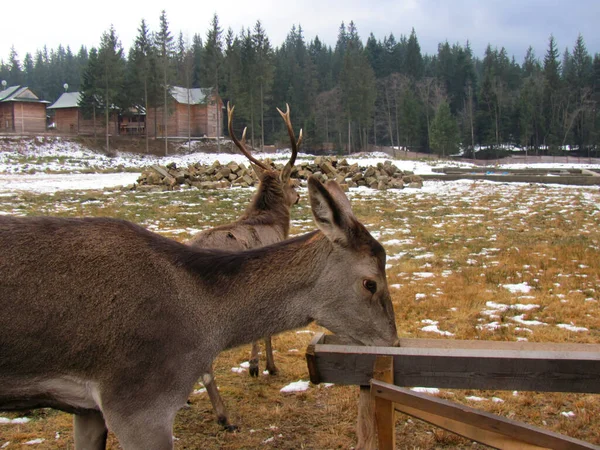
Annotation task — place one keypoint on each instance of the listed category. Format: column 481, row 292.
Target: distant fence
column 512, row 159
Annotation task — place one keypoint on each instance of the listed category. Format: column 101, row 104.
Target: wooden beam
column 376, row 414
column 466, row 365
column 311, row 362
column 384, row 408
column 471, row 423
column 366, row 434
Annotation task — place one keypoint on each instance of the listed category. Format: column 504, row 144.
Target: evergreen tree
column 197, row 56
column 143, row 86
column 357, row 84
column 413, row 60
column 213, row 51
column 163, row 40
column 15, row 75
column 263, row 71
column 90, row 88
column 444, row 131
column 28, row 70
column 551, row 96
column 111, row 65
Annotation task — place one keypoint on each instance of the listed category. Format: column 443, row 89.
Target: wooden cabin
column 192, row 111
column 21, row 111
column 69, row 119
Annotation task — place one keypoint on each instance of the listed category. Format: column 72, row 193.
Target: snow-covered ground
column 65, row 165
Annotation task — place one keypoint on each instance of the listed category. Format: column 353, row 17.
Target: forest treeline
column 346, row 97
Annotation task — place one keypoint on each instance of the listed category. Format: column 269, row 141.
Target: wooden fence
column 382, row 372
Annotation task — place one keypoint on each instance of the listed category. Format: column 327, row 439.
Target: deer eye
column 370, row 286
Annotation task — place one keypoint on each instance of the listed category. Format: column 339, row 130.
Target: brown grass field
column 451, row 249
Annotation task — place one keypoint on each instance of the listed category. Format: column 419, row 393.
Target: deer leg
column 90, row 431
column 254, row 360
column 270, row 360
column 139, row 429
column 218, row 405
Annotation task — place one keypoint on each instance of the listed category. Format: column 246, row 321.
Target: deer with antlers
column 114, row 323
column 265, row 221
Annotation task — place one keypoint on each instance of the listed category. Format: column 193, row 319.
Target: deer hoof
column 253, row 367
column 273, row 370
column 224, row 422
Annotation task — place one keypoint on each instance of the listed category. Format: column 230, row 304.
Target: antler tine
column 238, row 144
column 288, row 123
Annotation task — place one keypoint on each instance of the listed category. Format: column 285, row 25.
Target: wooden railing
column 382, row 372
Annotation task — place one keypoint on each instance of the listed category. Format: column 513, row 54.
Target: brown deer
column 265, row 221
column 109, row 321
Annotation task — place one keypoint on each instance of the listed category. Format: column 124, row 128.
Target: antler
column 288, row 123
column 239, row 144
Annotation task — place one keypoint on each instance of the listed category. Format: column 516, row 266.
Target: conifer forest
column 353, row 96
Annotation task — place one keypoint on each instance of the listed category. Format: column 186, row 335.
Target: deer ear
column 257, row 170
column 331, row 215
column 286, row 173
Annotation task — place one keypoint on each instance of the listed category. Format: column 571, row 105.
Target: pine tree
column 142, row 81
column 264, row 70
column 444, row 131
column 213, row 51
column 90, row 88
column 357, row 84
column 551, row 96
column 163, row 41
column 111, row 66
column 413, row 60
column 197, row 55
column 15, row 75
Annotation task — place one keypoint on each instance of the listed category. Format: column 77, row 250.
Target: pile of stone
column 383, row 176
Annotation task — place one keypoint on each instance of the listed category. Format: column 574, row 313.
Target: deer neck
column 268, row 206
column 277, row 282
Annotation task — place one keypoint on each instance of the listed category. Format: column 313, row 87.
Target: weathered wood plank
column 384, row 408
column 311, row 362
column 568, row 368
column 330, row 339
column 366, row 434
column 471, row 432
column 467, row 420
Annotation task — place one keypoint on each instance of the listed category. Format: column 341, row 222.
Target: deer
column 265, row 221
column 114, row 323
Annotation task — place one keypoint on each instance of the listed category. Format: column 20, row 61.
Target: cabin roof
column 19, row 94
column 197, row 96
column 66, row 100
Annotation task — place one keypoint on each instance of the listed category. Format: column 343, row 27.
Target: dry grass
column 449, row 253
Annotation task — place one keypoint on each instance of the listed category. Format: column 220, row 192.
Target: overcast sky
column 514, row 24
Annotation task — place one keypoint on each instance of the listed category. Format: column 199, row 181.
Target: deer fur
column 107, row 320
column 265, row 221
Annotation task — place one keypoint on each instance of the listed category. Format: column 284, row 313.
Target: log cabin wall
column 6, row 117
column 86, row 125
column 29, row 117
column 67, row 120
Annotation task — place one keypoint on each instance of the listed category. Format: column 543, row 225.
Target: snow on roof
column 192, row 96
column 66, row 100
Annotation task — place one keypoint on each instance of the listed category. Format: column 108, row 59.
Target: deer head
column 263, row 172
column 356, row 272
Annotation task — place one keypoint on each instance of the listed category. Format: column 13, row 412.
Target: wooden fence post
column 376, row 414
column 384, row 409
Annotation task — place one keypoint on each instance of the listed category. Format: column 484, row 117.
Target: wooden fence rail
column 454, row 364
